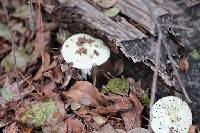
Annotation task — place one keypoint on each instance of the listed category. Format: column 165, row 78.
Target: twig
column 176, row 72
column 153, row 89
column 155, row 76
column 31, row 15
column 12, row 41
column 40, row 28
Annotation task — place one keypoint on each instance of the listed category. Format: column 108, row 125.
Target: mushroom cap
column 84, row 51
column 170, row 115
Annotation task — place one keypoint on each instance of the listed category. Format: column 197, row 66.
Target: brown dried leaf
column 12, row 128
column 184, row 64
column 99, row 119
column 106, row 129
column 130, row 109
column 39, row 74
column 4, row 47
column 132, row 119
column 85, row 91
column 47, row 89
column 55, row 75
column 75, row 126
column 121, row 104
column 193, row 129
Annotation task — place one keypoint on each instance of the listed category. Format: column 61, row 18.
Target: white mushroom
column 85, row 51
column 170, row 115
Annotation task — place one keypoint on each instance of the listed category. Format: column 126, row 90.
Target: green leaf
column 195, row 54
column 22, row 12
column 4, row 31
column 38, row 113
column 6, row 94
column 117, row 85
column 112, row 12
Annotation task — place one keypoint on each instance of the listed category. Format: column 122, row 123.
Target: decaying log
column 84, row 17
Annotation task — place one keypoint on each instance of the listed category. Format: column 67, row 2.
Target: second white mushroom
column 171, row 115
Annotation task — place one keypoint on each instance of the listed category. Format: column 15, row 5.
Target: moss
column 118, row 86
column 39, row 113
column 145, row 99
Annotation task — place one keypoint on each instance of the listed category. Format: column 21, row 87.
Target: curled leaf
column 184, row 64
column 5, row 32
column 85, row 92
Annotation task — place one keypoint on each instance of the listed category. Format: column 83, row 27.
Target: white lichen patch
column 171, row 115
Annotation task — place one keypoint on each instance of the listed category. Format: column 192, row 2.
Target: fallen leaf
column 120, row 104
column 19, row 27
column 192, row 129
column 22, row 58
column 112, row 12
column 75, row 126
column 9, row 94
column 5, row 32
column 47, row 89
column 184, row 64
column 139, row 130
column 4, row 47
column 117, row 86
column 85, row 90
column 106, row 129
column 55, row 75
column 75, row 105
column 99, row 119
column 195, row 54
column 22, row 12
column 106, row 3
column 59, row 127
column 11, row 128
column 132, row 119
column 129, row 108
column 50, row 5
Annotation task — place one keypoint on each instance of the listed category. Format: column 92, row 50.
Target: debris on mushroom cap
column 84, row 51
column 171, row 115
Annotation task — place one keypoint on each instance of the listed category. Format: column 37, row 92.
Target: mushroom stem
column 84, row 73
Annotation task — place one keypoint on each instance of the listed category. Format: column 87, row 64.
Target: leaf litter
column 52, row 97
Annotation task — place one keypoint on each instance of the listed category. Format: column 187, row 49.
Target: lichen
column 38, row 113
